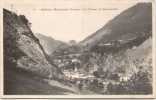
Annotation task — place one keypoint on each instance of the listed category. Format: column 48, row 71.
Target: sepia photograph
column 80, row 48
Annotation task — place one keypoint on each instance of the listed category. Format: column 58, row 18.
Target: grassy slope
column 18, row 81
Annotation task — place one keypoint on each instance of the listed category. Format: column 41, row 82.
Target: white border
column 81, row 96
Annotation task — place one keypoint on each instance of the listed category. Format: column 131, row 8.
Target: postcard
column 77, row 49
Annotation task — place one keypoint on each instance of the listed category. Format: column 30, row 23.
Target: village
column 88, row 76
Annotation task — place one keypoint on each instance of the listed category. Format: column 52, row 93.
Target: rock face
column 22, row 49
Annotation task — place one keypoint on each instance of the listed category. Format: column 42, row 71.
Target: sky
column 67, row 20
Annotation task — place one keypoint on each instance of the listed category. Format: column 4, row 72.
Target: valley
column 115, row 60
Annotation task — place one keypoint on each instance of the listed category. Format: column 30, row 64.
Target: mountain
column 133, row 22
column 141, row 51
column 122, row 50
column 49, row 44
column 124, row 40
column 23, row 54
column 131, row 59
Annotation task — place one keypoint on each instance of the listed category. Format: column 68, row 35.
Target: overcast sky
column 71, row 24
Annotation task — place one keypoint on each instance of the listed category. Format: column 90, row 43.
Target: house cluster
column 69, row 61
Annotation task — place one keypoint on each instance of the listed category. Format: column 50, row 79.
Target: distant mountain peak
column 49, row 44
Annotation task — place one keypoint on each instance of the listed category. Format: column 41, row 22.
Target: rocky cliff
column 22, row 49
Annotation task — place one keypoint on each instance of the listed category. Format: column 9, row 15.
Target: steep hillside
column 127, row 40
column 49, row 44
column 131, row 23
column 23, row 51
column 142, row 51
column 131, row 59
column 122, row 51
